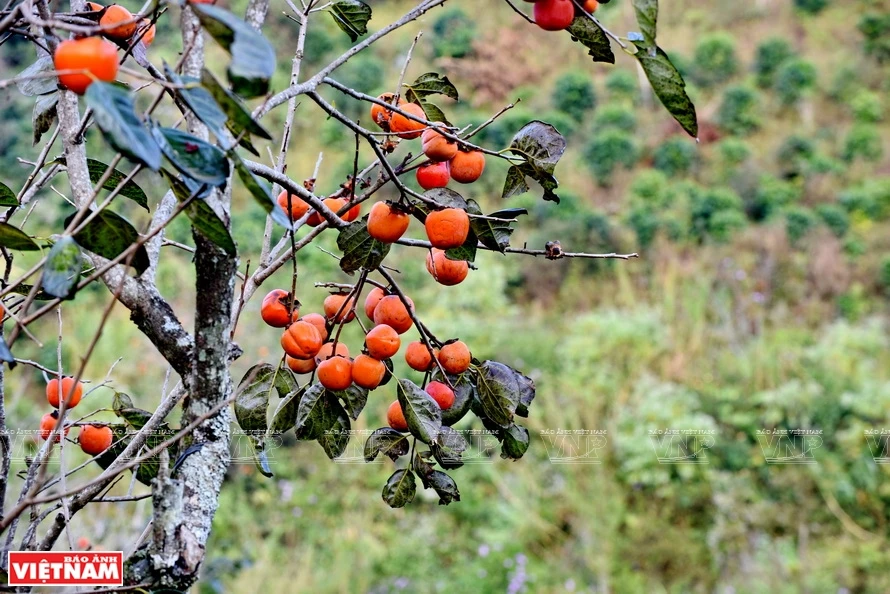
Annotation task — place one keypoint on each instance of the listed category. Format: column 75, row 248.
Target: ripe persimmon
column 392, row 312
column 319, row 322
column 92, row 54
column 436, row 147
column 441, row 393
column 274, row 310
column 298, row 208
column 371, row 301
column 55, row 396
column 352, row 214
column 149, row 35
column 591, row 6
column 382, row 342
column 433, row 175
column 467, row 166
column 327, row 351
column 446, row 272
column 335, row 373
column 554, row 15
column 84, row 544
column 387, row 224
column 368, row 372
column 455, row 357
column 301, row 340
column 300, row 365
column 95, row 439
column 48, row 423
column 419, row 357
column 405, row 128
column 333, row 204
column 94, row 6
column 447, row 228
column 396, row 417
column 337, row 309
column 381, row 115
column 117, row 22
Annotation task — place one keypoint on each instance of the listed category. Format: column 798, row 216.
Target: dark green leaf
column 464, row 389
column 252, row 398
column 352, row 17
column 123, row 407
column 449, row 451
column 260, row 191
column 202, row 216
column 421, row 467
column 541, row 146
column 431, row 83
column 201, row 102
column 315, row 413
column 590, row 35
column 444, row 485
column 399, row 490
column 498, row 388
column 285, row 382
column 62, row 269
column 354, row 400
column 445, row 197
column 526, row 393
column 434, row 113
column 109, row 235
column 423, row 415
column 386, row 441
column 129, row 190
column 669, row 86
column 515, row 183
column 15, row 239
column 647, row 17
column 494, row 235
column 286, row 414
column 193, row 157
column 336, row 438
column 31, row 81
column 115, row 114
column 465, row 252
column 253, row 57
column 44, row 115
column 239, row 118
column 515, row 442
column 360, row 250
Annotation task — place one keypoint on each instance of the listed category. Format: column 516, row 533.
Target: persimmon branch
column 419, row 243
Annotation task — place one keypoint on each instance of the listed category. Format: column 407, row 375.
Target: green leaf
column 386, row 441
column 669, row 86
column 108, row 235
column 515, row 183
column 498, row 388
column 352, row 17
column 465, row 252
column 5, row 354
column 449, row 451
column 62, row 269
column 445, row 197
column 193, row 157
column 115, row 114
column 15, row 239
column 129, row 190
column 200, row 101
column 354, row 400
column 647, row 17
column 253, row 57
column 260, row 191
column 239, row 118
column 515, row 442
column 31, row 81
column 44, row 115
column 434, row 113
column 464, row 389
column 444, row 485
column 202, row 216
column 494, row 235
column 123, row 407
column 400, row 489
column 25, row 289
column 252, row 398
column 590, row 35
column 336, row 438
column 541, row 146
column 423, row 415
column 285, row 415
column 360, row 250
column 316, row 413
column 422, row 467
column 431, row 83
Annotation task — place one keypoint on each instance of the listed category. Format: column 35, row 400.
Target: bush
column 835, row 218
column 609, row 150
column 725, row 223
column 715, row 59
column 615, row 116
column 455, row 33
column 644, row 223
column 867, row 107
column 650, row 188
column 622, row 85
column 871, row 198
column 771, row 54
column 794, row 153
column 864, row 142
column 810, row 6
column 884, row 274
column 739, row 112
column 574, row 94
column 676, row 156
column 733, row 151
column 795, row 79
column 704, row 206
column 501, row 132
column 875, row 28
column 772, row 195
column 798, row 222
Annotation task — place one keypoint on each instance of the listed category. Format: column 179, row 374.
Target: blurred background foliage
column 760, row 301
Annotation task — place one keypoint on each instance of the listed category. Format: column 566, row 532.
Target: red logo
column 37, row 568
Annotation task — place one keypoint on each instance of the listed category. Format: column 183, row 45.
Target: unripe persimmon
column 447, row 228
column 405, row 128
column 554, row 15
column 301, row 340
column 446, row 272
column 467, row 167
column 371, row 301
column 337, row 309
column 436, row 147
column 274, row 310
column 92, row 54
column 419, row 357
column 441, row 393
column 396, row 417
column 333, row 204
column 95, row 439
column 387, row 224
column 392, row 312
column 368, row 372
column 382, row 342
column 433, row 175
column 118, row 22
column 455, row 357
column 335, row 373
column 327, row 351
column 48, row 423
column 300, row 366
column 55, row 396
column 319, row 322
column 298, row 208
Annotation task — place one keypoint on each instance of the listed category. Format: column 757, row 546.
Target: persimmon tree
column 93, row 62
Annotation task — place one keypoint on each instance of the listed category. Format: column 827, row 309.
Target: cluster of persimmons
column 93, row 439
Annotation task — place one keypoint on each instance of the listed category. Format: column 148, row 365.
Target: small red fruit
column 274, row 309
column 92, row 54
column 395, row 417
column 335, row 373
column 387, row 224
column 298, row 208
column 372, row 300
column 447, row 228
column 455, row 358
column 48, row 423
column 419, row 357
column 446, row 272
column 467, row 167
column 382, row 342
column 441, row 393
column 337, row 309
column 554, row 15
column 95, row 439
column 433, row 175
column 55, row 396
column 368, row 372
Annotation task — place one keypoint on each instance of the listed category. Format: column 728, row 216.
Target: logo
column 789, row 446
column 37, row 568
column 879, row 445
column 574, row 446
column 682, row 446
